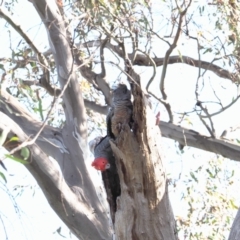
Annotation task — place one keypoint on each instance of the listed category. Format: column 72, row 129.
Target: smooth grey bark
column 235, row 230
column 191, row 138
column 74, row 134
column 73, row 208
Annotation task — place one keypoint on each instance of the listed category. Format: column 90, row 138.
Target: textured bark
column 145, row 201
column 143, row 209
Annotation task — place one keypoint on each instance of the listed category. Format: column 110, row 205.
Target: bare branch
column 101, row 78
column 166, row 58
column 63, row 199
column 222, row 110
column 192, row 138
column 95, row 79
column 142, row 60
column 154, row 69
column 95, row 107
column 102, row 59
column 55, row 92
column 12, row 108
column 212, row 129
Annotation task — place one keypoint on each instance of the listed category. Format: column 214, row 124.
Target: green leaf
column 16, row 159
column 210, row 173
column 232, row 204
column 25, row 153
column 193, row 176
column 40, row 109
column 207, row 50
column 14, row 139
column 180, row 55
column 3, row 177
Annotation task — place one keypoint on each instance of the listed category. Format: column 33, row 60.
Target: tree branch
column 55, row 92
column 191, row 138
column 139, row 160
column 221, row 110
column 63, row 57
column 142, row 60
column 235, row 233
column 165, row 62
column 74, row 133
column 97, row 80
column 101, row 78
column 50, row 140
column 95, row 107
column 61, row 197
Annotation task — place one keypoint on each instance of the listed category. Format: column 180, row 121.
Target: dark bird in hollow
column 103, row 151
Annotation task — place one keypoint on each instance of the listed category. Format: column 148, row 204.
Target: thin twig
column 165, row 62
column 154, row 68
column 212, row 129
column 222, row 110
column 19, row 29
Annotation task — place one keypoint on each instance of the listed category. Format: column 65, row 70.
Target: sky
column 25, row 211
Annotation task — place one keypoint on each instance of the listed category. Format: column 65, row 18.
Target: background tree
column 86, row 40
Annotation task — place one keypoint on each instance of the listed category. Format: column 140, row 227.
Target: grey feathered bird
column 121, row 111
column 103, row 152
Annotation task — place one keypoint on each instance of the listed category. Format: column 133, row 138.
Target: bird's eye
column 107, row 166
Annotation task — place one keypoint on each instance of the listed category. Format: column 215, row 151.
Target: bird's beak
column 107, row 166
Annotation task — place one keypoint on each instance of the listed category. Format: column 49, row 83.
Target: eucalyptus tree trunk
column 235, row 233
column 143, row 209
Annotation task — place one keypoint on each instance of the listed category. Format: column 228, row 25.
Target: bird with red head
column 101, row 164
column 105, row 162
